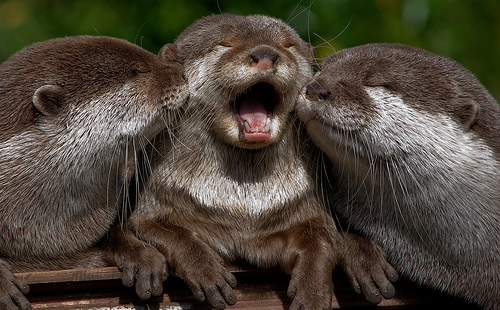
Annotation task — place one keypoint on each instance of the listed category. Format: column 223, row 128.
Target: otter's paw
column 12, row 290
column 367, row 269
column 143, row 265
column 204, row 272
column 310, row 287
column 305, row 299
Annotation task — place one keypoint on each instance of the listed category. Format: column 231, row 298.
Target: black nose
column 266, row 54
column 316, row 92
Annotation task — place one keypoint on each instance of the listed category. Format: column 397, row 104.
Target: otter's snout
column 316, row 92
column 264, row 57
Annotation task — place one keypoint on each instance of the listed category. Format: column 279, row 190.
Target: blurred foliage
column 465, row 30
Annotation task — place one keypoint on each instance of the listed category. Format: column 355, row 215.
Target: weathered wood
column 101, row 288
column 73, row 275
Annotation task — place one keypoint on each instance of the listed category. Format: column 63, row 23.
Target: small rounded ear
column 47, row 99
column 168, row 52
column 468, row 111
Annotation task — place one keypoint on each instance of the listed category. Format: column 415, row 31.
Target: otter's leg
column 310, row 259
column 366, row 266
column 139, row 261
column 12, row 290
column 191, row 259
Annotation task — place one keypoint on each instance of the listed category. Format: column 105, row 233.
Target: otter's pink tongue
column 256, row 123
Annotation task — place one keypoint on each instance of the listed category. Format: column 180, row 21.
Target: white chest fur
column 241, row 187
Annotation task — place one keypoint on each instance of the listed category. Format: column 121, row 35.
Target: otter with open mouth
column 236, row 183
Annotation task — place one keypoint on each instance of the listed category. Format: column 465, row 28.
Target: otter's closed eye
column 140, row 67
column 137, row 71
column 316, row 92
column 225, row 44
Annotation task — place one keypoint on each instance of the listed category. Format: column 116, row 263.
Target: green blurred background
column 465, row 30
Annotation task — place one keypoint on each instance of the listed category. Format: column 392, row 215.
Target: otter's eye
column 228, row 40
column 324, row 95
column 225, row 44
column 139, row 68
column 317, row 92
column 136, row 71
column 288, row 45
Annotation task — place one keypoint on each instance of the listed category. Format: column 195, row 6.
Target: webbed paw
column 147, row 268
column 367, row 269
column 204, row 272
column 12, row 290
column 140, row 263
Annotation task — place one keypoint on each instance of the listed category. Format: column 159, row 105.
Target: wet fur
column 73, row 111
column 414, row 140
column 214, row 198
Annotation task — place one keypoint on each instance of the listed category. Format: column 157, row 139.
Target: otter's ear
column 47, row 99
column 168, row 52
column 468, row 111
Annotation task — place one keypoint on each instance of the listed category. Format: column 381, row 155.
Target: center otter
column 239, row 180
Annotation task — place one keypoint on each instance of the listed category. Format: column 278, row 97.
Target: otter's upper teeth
column 247, row 126
column 268, row 123
column 266, row 128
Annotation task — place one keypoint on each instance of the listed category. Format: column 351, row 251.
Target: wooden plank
column 73, row 275
column 101, row 289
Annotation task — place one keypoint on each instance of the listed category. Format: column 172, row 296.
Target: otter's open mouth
column 254, row 110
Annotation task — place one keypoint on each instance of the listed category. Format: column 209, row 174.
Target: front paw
column 311, row 286
column 12, row 290
column 367, row 269
column 203, row 271
column 140, row 263
column 308, row 299
column 145, row 266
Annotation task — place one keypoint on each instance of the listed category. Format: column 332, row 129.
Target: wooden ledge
column 101, row 289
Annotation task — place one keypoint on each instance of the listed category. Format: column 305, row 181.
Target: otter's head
column 391, row 103
column 244, row 75
column 102, row 88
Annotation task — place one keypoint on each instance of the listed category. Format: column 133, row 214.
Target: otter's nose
column 264, row 59
column 316, row 92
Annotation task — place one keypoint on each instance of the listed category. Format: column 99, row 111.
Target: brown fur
column 414, row 140
column 72, row 111
column 219, row 194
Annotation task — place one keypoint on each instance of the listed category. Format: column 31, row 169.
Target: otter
column 73, row 111
column 236, row 183
column 414, row 142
